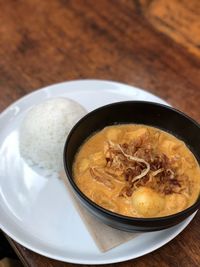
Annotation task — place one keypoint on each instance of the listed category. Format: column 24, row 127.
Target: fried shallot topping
column 136, row 164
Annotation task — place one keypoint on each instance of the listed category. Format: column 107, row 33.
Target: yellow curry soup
column 137, row 171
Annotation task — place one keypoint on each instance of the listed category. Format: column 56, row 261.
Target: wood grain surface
column 152, row 44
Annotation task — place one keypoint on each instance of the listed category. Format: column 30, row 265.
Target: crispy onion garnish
column 136, row 159
column 157, row 172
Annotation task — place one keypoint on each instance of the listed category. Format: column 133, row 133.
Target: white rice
column 44, row 130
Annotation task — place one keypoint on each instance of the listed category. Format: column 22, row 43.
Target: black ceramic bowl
column 139, row 112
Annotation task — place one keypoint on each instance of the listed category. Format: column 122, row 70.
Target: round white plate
column 37, row 212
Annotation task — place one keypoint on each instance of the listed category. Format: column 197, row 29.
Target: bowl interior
column 137, row 112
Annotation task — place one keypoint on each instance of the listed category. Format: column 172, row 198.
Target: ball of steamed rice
column 44, row 130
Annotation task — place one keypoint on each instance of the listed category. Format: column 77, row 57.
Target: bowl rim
column 109, row 213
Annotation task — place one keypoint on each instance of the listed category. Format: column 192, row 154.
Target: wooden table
column 152, row 44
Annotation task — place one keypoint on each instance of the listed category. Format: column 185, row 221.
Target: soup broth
column 137, row 171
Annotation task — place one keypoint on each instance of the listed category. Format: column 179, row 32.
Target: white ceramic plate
column 37, row 212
